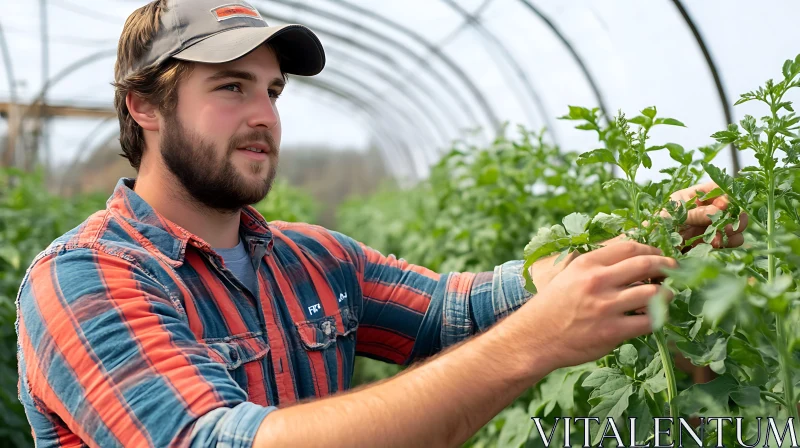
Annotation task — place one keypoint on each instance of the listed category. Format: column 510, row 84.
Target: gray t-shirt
column 237, row 260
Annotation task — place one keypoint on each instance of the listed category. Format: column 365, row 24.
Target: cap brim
column 299, row 50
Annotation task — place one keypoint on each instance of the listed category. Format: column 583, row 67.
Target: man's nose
column 263, row 112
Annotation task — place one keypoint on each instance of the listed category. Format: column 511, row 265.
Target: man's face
column 222, row 110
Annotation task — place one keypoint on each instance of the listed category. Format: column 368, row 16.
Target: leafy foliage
column 30, row 219
column 287, row 203
column 479, row 204
column 736, row 311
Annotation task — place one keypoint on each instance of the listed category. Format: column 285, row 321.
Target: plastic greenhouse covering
column 411, row 76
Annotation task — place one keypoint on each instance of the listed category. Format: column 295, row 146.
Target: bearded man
column 178, row 316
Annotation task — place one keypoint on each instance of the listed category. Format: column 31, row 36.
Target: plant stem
column 660, row 335
column 672, row 388
column 786, row 374
column 774, row 396
column 782, row 343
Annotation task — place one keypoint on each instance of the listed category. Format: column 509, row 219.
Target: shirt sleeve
column 106, row 357
column 411, row 312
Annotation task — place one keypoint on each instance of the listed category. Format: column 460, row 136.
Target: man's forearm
column 440, row 403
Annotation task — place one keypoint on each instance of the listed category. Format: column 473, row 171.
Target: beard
column 211, row 182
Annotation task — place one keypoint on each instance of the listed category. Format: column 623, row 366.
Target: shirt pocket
column 240, row 353
column 323, row 333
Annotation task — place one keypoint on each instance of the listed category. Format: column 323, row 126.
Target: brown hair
column 156, row 85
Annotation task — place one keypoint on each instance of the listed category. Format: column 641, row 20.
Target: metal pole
column 8, row 155
column 44, row 135
column 723, row 97
column 578, row 60
column 505, row 54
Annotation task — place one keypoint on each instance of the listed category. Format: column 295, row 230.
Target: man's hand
column 698, row 221
column 544, row 270
column 582, row 311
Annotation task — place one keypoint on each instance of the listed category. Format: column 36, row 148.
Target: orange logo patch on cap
column 235, row 10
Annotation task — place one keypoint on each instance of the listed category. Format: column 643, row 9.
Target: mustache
column 253, row 137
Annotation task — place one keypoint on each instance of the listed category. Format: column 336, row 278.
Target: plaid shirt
column 131, row 331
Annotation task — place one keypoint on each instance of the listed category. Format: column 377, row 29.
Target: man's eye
column 231, row 87
column 274, row 94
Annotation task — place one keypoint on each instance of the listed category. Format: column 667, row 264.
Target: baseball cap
column 217, row 31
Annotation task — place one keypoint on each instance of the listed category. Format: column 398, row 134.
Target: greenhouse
column 495, row 223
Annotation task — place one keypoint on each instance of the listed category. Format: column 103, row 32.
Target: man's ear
column 145, row 114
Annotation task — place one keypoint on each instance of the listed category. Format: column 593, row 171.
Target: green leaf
column 713, row 194
column 721, row 296
column 728, row 136
column 669, row 121
column 639, row 409
column 712, row 348
column 707, row 399
column 489, row 175
column 612, row 405
column 566, row 392
column 710, row 152
column 787, row 68
column 596, row 156
column 647, row 161
column 652, row 368
column 650, row 112
column 720, row 177
column 609, row 397
column 11, row 256
column 746, row 396
column 578, row 113
column 628, row 355
column 546, row 241
column 516, row 428
column 656, row 383
column 575, row 223
column 603, row 376
column 678, row 154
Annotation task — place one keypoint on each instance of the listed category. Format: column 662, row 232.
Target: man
column 178, row 316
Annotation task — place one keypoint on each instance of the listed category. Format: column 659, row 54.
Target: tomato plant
column 736, row 311
column 727, row 302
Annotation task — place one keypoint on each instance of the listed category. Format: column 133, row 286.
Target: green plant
column 735, row 311
column 287, row 203
column 30, row 218
column 724, row 300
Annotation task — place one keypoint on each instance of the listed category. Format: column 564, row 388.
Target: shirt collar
column 170, row 239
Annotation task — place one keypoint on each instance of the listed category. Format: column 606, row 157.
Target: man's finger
column 736, row 240
column 614, row 253
column 639, row 268
column 637, row 297
column 699, row 216
column 733, row 241
column 629, row 327
column 689, row 193
column 744, row 219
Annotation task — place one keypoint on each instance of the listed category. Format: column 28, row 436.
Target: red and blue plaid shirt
column 131, row 331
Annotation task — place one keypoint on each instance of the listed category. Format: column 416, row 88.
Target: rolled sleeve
column 409, row 312
column 500, row 295
column 234, row 427
column 465, row 304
